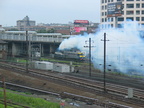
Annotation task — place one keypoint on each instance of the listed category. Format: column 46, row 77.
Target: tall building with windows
column 132, row 9
column 25, row 24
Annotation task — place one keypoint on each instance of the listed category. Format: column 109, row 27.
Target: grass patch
column 75, row 63
column 27, row 101
column 2, row 106
column 22, row 60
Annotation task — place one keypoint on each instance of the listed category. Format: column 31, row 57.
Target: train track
column 62, row 95
column 114, row 78
column 138, row 93
column 113, row 91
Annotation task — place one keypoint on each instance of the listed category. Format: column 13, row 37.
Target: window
column 137, row 18
column 112, row 19
column 130, row 0
column 105, row 19
column 119, row 26
column 102, row 7
column 142, row 12
column 129, row 12
column 105, row 13
column 109, row 25
column 105, row 1
column 143, row 5
column 129, row 18
column 120, row 19
column 105, row 6
column 138, row 5
column 122, row 12
column 142, row 18
column 108, row 19
column 102, row 13
column 102, row 1
column 130, row 5
column 102, row 20
column 122, row 6
column 137, row 12
column 102, row 26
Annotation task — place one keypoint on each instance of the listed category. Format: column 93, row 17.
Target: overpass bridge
column 42, row 43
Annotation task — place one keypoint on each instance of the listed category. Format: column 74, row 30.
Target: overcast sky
column 49, row 11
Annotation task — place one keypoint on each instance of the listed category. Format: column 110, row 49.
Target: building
column 2, row 29
column 3, row 49
column 25, row 24
column 130, row 9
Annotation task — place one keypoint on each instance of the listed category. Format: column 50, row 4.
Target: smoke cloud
column 124, row 48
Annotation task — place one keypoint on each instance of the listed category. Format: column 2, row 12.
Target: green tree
column 52, row 30
column 42, row 31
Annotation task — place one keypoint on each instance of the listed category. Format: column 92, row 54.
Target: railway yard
column 79, row 88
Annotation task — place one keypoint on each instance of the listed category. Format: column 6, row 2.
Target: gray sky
column 49, row 11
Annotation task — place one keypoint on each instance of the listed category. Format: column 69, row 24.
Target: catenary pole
column 27, row 52
column 89, row 56
column 104, row 66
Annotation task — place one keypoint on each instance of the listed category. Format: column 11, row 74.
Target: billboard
column 81, row 22
column 78, row 29
column 114, row 9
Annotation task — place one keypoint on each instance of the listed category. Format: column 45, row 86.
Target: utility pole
column 104, row 61
column 27, row 52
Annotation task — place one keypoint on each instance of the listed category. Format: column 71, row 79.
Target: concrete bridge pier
column 14, row 49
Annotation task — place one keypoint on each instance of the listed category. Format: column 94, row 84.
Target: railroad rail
column 85, row 99
column 113, row 91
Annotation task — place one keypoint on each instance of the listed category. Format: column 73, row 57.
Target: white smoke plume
column 124, row 47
